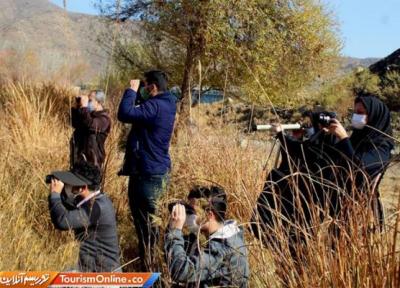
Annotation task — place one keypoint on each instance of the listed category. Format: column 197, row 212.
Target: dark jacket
column 95, row 228
column 147, row 150
column 91, row 131
column 306, row 173
column 370, row 147
column 223, row 263
column 373, row 161
column 352, row 162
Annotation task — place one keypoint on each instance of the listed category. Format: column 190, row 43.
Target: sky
column 368, row 28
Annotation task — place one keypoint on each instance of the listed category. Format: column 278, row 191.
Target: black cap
column 219, row 206
column 198, row 192
column 70, row 178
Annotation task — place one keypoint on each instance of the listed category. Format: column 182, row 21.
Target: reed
column 34, row 140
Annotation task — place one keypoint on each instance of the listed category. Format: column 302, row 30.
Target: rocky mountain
column 37, row 33
column 350, row 63
column 389, row 63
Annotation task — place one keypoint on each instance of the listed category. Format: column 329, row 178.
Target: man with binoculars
column 223, row 260
column 77, row 203
column 92, row 125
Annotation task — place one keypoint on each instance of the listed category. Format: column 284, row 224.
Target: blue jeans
column 144, row 192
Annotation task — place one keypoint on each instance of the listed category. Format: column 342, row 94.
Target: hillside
column 389, row 63
column 56, row 41
column 349, row 63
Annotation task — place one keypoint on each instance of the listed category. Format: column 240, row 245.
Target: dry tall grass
column 34, row 141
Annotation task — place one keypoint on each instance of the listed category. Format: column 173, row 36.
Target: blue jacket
column 147, row 150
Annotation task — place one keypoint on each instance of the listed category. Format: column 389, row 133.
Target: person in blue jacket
column 147, row 159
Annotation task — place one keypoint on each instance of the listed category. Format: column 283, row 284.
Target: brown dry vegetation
column 34, row 135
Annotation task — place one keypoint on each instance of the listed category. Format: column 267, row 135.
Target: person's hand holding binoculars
column 56, row 185
column 135, row 85
column 178, row 217
column 82, row 101
column 337, row 129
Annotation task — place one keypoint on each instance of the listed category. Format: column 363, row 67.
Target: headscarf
column 378, row 118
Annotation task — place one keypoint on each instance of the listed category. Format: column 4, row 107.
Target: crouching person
column 222, row 262
column 89, row 213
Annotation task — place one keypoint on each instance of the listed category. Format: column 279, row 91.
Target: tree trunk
column 184, row 105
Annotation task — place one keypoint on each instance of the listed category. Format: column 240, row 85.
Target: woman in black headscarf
column 370, row 144
column 297, row 193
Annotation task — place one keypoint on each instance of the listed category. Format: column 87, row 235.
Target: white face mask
column 91, row 107
column 358, row 121
column 191, row 223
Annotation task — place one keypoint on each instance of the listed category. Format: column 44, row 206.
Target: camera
column 48, row 178
column 325, row 118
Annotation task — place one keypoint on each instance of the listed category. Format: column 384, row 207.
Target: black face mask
column 70, row 200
